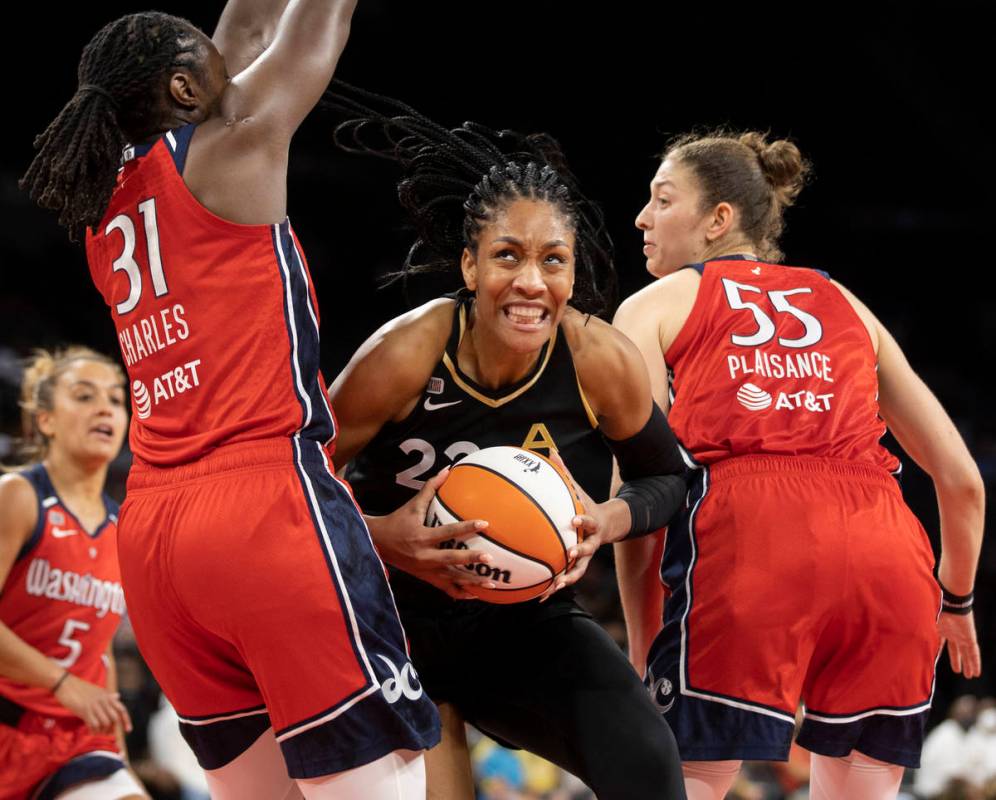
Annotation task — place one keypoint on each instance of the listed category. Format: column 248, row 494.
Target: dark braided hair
column 119, row 99
column 455, row 181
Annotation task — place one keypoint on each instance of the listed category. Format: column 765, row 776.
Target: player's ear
column 44, row 423
column 183, row 89
column 468, row 266
column 723, row 219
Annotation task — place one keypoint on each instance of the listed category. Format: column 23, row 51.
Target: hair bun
column 781, row 162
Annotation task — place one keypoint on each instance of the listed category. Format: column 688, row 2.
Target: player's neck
column 77, row 484
column 489, row 363
column 740, row 247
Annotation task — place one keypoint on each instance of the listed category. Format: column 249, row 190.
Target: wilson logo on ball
column 528, row 504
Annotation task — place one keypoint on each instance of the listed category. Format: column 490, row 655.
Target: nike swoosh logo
column 428, row 405
column 62, row 533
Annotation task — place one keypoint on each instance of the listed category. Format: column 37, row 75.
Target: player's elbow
column 963, row 483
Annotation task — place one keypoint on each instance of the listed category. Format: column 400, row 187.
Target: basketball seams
column 554, row 528
column 503, row 546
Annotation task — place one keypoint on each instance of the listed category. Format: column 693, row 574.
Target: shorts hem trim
column 422, row 740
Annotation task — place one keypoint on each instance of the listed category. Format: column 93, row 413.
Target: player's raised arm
column 281, row 87
column 246, row 28
column 926, row 432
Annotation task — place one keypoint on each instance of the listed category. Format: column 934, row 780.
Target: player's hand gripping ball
column 528, row 503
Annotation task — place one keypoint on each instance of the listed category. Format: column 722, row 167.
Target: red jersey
column 774, row 360
column 63, row 595
column 217, row 322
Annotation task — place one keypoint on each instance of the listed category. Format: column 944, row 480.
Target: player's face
column 88, row 418
column 214, row 74
column 523, row 274
column 673, row 224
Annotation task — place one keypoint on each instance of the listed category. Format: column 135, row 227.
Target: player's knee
column 854, row 775
column 709, row 780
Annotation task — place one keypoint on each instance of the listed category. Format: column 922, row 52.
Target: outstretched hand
column 406, row 542
column 958, row 631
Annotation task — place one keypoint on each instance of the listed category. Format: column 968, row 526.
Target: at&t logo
column 143, row 401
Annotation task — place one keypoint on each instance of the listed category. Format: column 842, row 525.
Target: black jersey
column 455, row 416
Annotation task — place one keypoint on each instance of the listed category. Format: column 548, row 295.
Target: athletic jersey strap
column 700, row 266
column 45, row 496
column 178, row 143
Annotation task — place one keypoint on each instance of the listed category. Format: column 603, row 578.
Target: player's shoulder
column 415, row 333
column 597, row 347
column 655, row 298
column 18, row 503
column 406, row 348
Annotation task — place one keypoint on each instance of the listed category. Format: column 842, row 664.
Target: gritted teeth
column 526, row 314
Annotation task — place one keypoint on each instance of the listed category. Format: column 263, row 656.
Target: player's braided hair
column 456, row 180
column 118, row 100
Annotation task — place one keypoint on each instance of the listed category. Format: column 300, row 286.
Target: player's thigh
column 447, row 765
column 399, row 775
column 576, row 701
column 258, row 772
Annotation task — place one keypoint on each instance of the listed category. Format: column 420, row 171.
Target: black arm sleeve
column 653, row 474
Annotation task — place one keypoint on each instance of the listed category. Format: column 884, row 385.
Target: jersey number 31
column 126, row 261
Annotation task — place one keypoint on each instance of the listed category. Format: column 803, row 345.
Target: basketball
column 529, row 504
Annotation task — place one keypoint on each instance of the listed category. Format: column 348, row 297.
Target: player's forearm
column 641, row 594
column 21, row 662
column 961, row 501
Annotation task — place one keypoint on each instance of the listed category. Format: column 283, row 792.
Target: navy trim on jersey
column 178, row 143
column 85, row 768
column 38, row 478
column 700, row 266
column 45, row 489
column 706, row 725
column 352, row 732
column 219, row 743
column 879, row 736
column 317, row 422
column 322, row 522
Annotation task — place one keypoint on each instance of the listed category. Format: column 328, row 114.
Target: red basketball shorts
column 39, row 746
column 257, row 599
column 797, row 579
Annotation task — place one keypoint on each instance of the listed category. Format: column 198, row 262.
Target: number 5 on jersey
column 126, row 261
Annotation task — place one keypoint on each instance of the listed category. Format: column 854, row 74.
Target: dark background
column 888, row 101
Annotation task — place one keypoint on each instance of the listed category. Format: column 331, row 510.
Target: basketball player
column 797, row 572
column 60, row 588
column 511, row 360
column 257, row 597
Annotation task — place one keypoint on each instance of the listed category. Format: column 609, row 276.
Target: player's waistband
column 731, row 468
column 278, row 451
